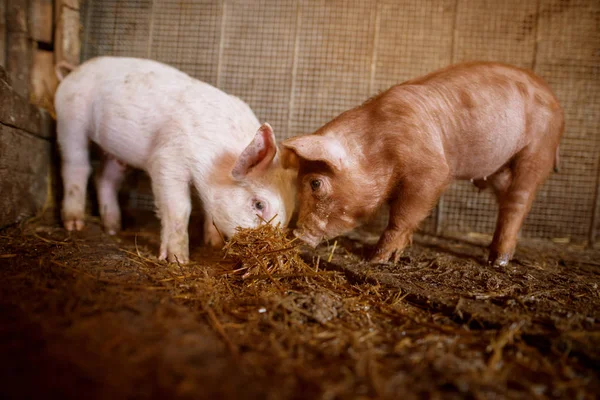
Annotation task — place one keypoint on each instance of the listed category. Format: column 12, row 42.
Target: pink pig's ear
column 318, row 148
column 258, row 155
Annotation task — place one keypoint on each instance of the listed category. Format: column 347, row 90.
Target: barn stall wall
column 300, row 63
column 26, row 130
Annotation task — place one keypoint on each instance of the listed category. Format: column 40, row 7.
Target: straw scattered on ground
column 267, row 318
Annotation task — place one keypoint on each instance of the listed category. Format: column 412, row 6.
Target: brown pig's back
column 478, row 114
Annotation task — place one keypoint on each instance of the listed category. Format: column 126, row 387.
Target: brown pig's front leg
column 417, row 196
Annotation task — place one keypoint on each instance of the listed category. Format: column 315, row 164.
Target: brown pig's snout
column 308, row 238
column 310, row 229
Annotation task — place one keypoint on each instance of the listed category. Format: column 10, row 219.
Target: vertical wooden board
column 186, row 34
column 335, row 52
column 493, row 30
column 18, row 62
column 43, row 80
column 258, row 52
column 16, row 111
column 117, row 28
column 17, row 13
column 40, row 20
column 67, row 44
column 72, row 4
column 3, row 33
column 414, row 38
column 24, row 173
column 569, row 32
column 594, row 234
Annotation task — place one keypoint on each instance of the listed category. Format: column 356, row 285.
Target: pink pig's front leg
column 173, row 201
column 212, row 237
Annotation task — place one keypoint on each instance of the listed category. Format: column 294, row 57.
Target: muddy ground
column 96, row 317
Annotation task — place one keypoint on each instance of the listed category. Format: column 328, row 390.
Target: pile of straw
column 264, row 250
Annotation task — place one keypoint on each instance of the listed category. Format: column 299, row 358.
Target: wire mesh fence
column 299, row 63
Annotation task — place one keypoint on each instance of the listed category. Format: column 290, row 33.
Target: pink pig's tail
column 60, row 65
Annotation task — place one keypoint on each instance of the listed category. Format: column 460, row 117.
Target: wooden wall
column 27, row 85
column 298, row 63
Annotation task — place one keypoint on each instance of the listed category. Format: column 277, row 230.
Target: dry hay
column 264, row 250
column 293, row 326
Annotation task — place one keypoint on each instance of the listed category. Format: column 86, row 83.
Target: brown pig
column 496, row 125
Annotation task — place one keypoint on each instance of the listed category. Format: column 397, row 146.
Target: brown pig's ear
column 318, row 148
column 258, row 155
column 289, row 158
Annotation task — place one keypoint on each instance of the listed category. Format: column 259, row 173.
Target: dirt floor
column 97, row 317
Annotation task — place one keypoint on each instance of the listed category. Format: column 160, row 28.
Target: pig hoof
column 499, row 260
column 397, row 255
column 214, row 241
column 380, row 258
column 111, row 229
column 174, row 258
column 74, row 224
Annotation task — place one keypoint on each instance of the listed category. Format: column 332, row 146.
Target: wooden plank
column 24, row 173
column 18, row 61
column 16, row 111
column 60, row 4
column 40, row 20
column 16, row 15
column 67, row 43
column 43, row 80
column 2, row 33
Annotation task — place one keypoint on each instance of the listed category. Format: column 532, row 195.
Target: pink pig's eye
column 259, row 205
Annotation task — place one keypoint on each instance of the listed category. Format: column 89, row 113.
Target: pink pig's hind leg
column 417, row 196
column 75, row 171
column 108, row 183
column 515, row 191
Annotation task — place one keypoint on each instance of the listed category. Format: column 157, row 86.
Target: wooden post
column 67, row 44
column 43, row 80
column 19, row 46
column 60, row 4
column 25, row 156
column 3, row 33
column 40, row 20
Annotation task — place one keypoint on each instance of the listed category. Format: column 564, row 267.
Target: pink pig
column 183, row 133
column 494, row 124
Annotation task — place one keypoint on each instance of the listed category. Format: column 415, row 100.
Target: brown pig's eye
column 315, row 184
column 259, row 205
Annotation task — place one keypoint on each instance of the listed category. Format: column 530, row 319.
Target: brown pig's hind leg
column 515, row 196
column 416, row 197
